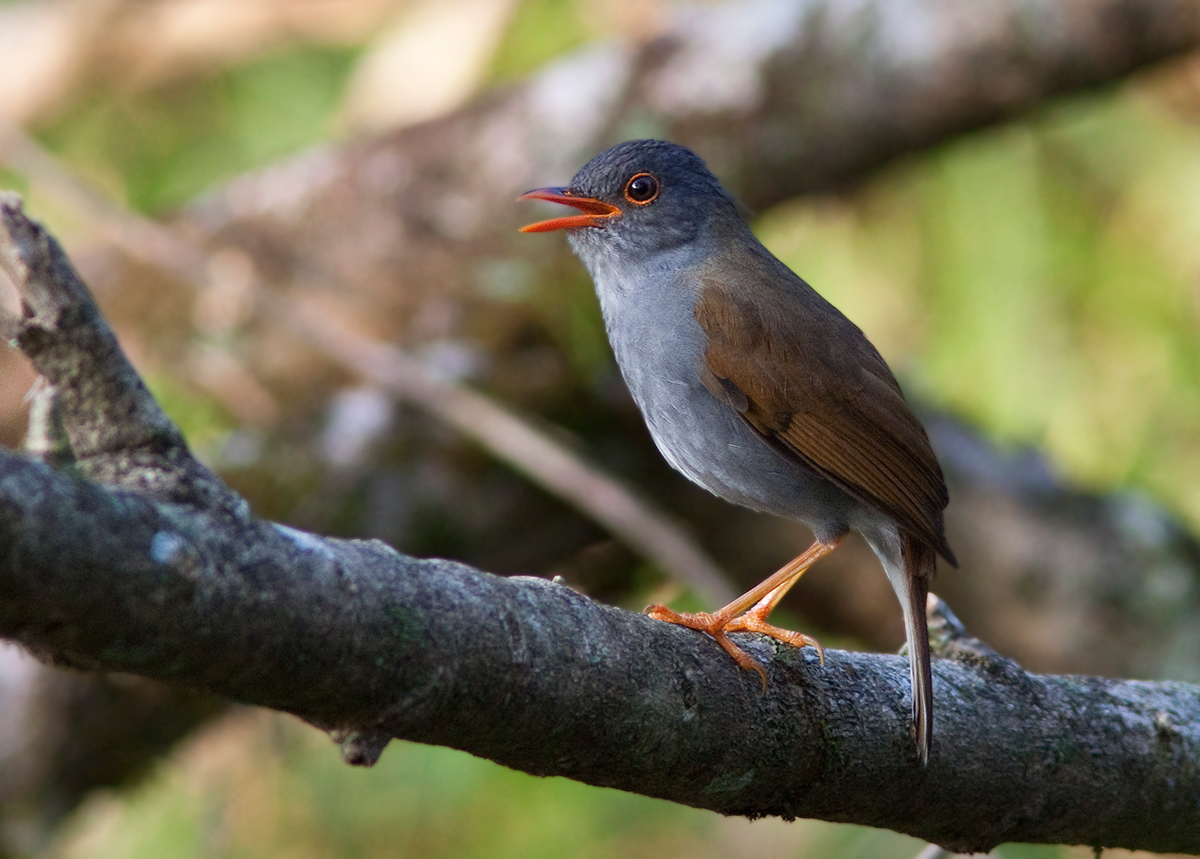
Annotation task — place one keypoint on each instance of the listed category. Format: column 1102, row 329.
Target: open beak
column 595, row 212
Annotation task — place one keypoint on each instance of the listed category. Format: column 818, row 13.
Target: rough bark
column 133, row 557
column 369, row 644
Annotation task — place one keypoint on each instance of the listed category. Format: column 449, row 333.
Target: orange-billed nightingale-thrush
column 755, row 387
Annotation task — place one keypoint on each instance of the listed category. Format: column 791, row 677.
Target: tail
column 912, row 588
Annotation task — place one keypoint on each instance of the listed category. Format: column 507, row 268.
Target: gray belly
column 711, row 444
column 708, row 441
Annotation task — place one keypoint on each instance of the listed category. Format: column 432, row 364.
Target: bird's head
column 636, row 199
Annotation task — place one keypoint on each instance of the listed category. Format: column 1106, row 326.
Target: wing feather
column 807, row 379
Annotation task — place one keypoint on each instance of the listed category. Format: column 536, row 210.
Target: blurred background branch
column 1038, row 280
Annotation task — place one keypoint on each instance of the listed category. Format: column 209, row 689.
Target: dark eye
column 641, row 189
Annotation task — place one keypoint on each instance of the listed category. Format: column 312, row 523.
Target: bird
column 755, row 387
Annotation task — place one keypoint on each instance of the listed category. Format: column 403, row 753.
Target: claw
column 748, row 613
column 714, row 627
column 753, row 621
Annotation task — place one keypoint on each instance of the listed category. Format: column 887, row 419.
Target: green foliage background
column 1040, row 279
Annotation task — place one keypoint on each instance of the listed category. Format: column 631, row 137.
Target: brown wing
column 808, row 379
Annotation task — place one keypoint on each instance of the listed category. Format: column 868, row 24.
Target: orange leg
column 763, row 598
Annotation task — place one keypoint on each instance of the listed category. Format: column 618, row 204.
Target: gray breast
column 659, row 347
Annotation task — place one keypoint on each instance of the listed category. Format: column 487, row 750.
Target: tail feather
column 919, row 564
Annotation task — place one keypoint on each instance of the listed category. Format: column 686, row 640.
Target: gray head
column 639, row 198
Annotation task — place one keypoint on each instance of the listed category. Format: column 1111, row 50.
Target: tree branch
column 152, row 566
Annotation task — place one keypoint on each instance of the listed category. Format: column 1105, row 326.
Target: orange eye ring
column 641, row 189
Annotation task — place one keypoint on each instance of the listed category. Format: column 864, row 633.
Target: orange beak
column 595, row 212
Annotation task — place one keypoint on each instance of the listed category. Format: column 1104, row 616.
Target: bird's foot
column 714, row 626
column 756, row 621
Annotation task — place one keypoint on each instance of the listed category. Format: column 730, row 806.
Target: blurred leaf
column 160, row 148
column 202, row 422
column 539, row 31
column 11, row 180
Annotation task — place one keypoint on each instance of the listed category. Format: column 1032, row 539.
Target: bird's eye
column 641, row 189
